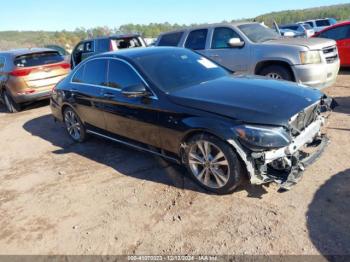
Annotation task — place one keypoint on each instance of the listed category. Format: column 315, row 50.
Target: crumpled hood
column 249, row 99
column 311, row 43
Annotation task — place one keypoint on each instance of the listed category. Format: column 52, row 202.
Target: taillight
column 27, row 92
column 20, row 72
column 65, row 65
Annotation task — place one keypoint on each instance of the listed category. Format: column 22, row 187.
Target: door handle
column 213, row 56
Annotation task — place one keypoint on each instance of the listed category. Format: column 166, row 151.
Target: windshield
column 307, row 26
column 258, row 33
column 174, row 69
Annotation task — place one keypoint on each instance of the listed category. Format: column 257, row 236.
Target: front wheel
column 277, row 72
column 213, row 164
column 74, row 126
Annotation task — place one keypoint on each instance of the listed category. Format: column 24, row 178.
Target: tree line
column 68, row 39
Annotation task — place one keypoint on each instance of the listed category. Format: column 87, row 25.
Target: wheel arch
column 65, row 106
column 265, row 63
column 240, row 152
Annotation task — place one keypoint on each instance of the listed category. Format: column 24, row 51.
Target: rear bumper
column 317, row 75
column 32, row 97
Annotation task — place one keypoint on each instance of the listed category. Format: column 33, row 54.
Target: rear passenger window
column 222, row 36
column 172, row 39
column 95, row 72
column 79, row 75
column 196, row 39
column 121, row 75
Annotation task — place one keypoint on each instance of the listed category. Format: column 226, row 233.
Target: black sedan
column 179, row 105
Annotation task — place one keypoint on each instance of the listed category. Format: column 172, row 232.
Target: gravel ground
column 57, row 197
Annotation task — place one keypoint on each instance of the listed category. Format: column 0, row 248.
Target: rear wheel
column 213, row 164
column 10, row 104
column 75, row 128
column 277, row 72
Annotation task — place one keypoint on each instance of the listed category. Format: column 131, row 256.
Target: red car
column 340, row 33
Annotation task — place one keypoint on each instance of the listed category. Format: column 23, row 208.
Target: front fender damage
column 285, row 166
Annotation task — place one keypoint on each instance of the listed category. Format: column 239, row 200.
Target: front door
column 133, row 118
column 235, row 59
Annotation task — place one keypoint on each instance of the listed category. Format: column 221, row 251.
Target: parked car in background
column 251, row 48
column 90, row 47
column 298, row 30
column 61, row 50
column 28, row 75
column 341, row 34
column 320, row 24
column 179, row 105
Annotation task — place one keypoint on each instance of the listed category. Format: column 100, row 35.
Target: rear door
column 40, row 71
column 236, row 59
column 86, row 89
column 133, row 118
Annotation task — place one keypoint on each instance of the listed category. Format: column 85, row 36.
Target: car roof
column 190, row 28
column 130, row 53
column 113, row 36
column 335, row 26
column 26, row 51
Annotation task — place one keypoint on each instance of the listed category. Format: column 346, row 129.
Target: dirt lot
column 57, row 197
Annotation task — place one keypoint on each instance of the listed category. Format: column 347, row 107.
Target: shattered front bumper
column 285, row 166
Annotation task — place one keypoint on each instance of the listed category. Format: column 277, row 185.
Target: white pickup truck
column 252, row 48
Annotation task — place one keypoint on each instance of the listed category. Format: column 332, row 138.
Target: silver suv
column 252, row 48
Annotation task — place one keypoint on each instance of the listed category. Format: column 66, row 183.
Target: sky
column 55, row 15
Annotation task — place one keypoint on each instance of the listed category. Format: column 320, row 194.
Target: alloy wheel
column 209, row 164
column 274, row 76
column 72, row 124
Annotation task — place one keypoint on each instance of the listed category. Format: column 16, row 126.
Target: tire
column 74, row 126
column 221, row 176
column 9, row 103
column 277, row 72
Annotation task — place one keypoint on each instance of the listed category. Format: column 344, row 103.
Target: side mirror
column 135, row 91
column 236, row 42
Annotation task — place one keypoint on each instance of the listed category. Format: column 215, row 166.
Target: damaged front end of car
column 281, row 154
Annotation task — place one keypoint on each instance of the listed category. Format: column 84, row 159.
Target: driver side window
column 221, row 37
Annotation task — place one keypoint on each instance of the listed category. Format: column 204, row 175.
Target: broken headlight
column 259, row 138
